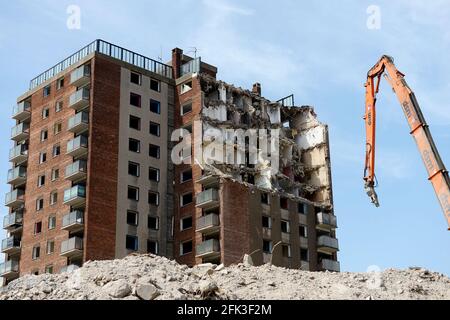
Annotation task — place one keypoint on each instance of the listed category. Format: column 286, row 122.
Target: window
column 59, row 83
column 185, row 87
column 285, row 226
column 303, row 230
column 186, row 175
column 186, row 223
column 36, row 252
column 301, row 208
column 134, row 145
column 266, row 222
column 51, row 222
column 286, row 250
column 186, row 199
column 57, row 128
column 41, row 180
column 152, row 247
column 153, row 223
column 154, row 129
column 55, row 174
column 58, row 106
column 136, row 78
column 131, row 243
column 155, row 106
column 49, row 269
column 135, row 123
column 186, row 247
column 133, row 193
column 133, row 169
column 304, row 256
column 153, row 198
column 47, row 91
column 132, row 218
column 38, row 227
column 135, row 100
column 42, row 157
column 265, row 198
column 56, row 150
column 283, row 203
column 153, row 151
column 39, row 204
column 45, row 113
column 186, row 108
column 50, row 246
column 267, row 246
column 53, row 198
column 44, row 135
column 155, row 85
column 153, row 174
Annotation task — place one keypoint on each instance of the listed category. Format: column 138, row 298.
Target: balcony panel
column 10, row 269
column 73, row 221
column 303, row 242
column 79, row 100
column 11, row 245
column 208, row 199
column 15, row 198
column 208, row 249
column 79, row 123
column 77, row 147
column 267, row 233
column 208, row 180
column 17, row 176
column 18, row 154
column 20, row 132
column 328, row 245
column 76, row 171
column 72, row 247
column 304, row 265
column 80, row 76
column 75, row 196
column 303, row 219
column 69, row 268
column 208, row 224
column 13, row 220
column 22, row 111
column 326, row 221
column 285, row 237
column 330, row 265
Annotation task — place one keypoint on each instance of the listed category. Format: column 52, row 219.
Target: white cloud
column 226, row 7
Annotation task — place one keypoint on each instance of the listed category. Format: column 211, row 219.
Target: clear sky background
column 321, row 52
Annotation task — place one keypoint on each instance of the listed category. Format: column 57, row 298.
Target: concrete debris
column 150, row 277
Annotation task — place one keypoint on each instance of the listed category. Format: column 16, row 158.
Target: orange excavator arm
column 437, row 174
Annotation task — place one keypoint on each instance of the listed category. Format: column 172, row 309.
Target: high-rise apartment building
column 92, row 176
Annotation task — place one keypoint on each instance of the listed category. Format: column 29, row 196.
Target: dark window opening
column 135, row 100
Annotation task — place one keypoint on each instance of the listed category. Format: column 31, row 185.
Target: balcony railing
column 72, row 247
column 191, row 66
column 19, row 153
column 17, row 175
column 13, row 220
column 79, row 122
column 9, row 268
column 76, row 171
column 303, row 242
column 14, row 198
column 10, row 245
column 77, row 147
column 73, row 221
column 20, row 131
column 330, row 265
column 80, row 99
column 80, row 76
column 75, row 196
column 208, row 199
column 327, row 244
column 208, row 248
column 208, row 223
column 22, row 111
column 326, row 221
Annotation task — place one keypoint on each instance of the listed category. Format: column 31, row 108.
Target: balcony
column 303, row 219
column 20, row 132
column 285, row 237
column 11, row 245
column 80, row 76
column 79, row 122
column 69, row 268
column 76, row 171
column 17, row 176
column 73, row 221
column 328, row 245
column 208, row 180
column 72, row 247
column 77, row 147
column 304, row 265
column 13, row 220
column 303, row 242
column 326, row 221
column 208, row 224
column 330, row 265
column 208, row 249
column 208, row 199
column 22, row 111
column 79, row 100
column 19, row 154
column 75, row 196
column 15, row 198
column 10, row 269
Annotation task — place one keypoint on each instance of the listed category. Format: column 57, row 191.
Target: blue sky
column 321, row 52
